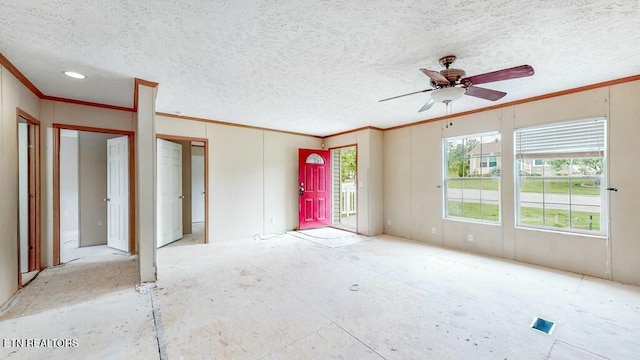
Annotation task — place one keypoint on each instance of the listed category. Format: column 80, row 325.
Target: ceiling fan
column 450, row 84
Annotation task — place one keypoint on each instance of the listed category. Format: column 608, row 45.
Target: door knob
column 107, row 199
column 181, row 197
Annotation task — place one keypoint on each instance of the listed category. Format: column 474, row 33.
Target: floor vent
column 543, row 325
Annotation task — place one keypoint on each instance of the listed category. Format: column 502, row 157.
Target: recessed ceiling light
column 74, row 75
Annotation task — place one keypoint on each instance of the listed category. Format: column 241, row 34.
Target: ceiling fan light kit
column 450, row 84
column 447, row 94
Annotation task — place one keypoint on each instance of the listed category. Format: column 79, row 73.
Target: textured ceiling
column 315, row 67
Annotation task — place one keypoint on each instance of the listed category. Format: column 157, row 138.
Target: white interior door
column 197, row 187
column 169, row 217
column 118, row 193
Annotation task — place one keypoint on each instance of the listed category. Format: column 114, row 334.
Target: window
column 489, row 162
column 314, row 159
column 472, row 177
column 560, row 176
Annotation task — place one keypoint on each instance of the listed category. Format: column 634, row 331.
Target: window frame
column 603, row 231
column 480, row 157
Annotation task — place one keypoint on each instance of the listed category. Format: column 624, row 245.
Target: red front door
column 314, row 187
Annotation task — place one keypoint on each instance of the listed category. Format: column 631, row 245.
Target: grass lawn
column 474, row 210
column 560, row 218
column 578, row 187
column 486, row 183
column 529, row 216
column 529, row 185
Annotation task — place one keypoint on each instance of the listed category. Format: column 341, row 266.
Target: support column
column 145, row 104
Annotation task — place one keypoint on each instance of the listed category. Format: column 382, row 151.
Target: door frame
column 56, row 183
column 34, row 184
column 206, row 174
column 357, row 186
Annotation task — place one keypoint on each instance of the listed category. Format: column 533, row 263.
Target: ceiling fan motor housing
column 453, row 75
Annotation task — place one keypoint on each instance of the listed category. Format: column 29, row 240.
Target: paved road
column 589, row 203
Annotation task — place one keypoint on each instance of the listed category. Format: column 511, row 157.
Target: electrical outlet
column 388, row 222
column 433, row 230
column 470, row 237
column 100, row 223
column 273, row 220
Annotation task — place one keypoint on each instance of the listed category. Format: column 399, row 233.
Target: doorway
column 345, row 190
column 28, row 197
column 182, row 187
column 93, row 193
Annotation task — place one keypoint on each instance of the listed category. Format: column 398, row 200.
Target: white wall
column 146, row 182
column 624, row 172
column 236, row 169
column 370, row 163
column 414, row 203
column 397, row 182
column 12, row 95
column 413, row 170
column 376, row 182
column 252, row 176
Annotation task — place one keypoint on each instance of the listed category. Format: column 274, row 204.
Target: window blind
column 585, row 138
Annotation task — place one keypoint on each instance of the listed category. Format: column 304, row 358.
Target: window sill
column 568, row 233
column 473, row 221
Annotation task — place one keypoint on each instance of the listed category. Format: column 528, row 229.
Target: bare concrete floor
column 93, row 301
column 71, row 251
column 291, row 298
column 196, row 237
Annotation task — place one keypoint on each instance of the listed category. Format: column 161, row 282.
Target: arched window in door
column 314, row 159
